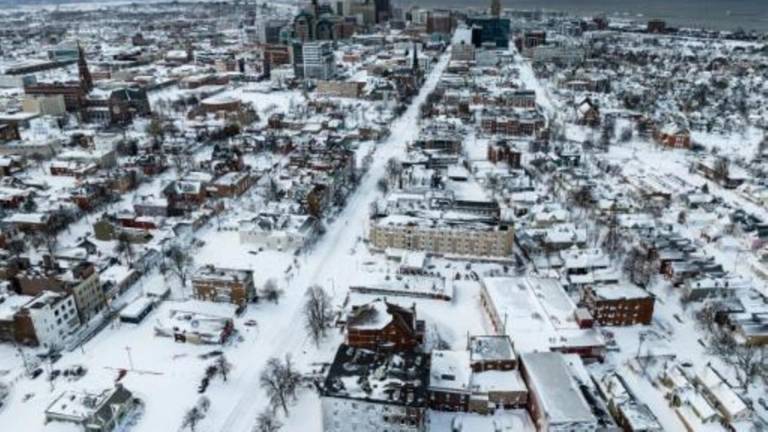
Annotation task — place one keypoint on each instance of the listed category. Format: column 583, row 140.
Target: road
column 326, row 261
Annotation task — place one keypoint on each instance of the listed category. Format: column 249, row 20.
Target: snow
column 556, row 389
column 450, row 371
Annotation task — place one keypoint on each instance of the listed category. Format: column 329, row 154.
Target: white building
column 54, row 317
column 278, row 231
column 319, row 61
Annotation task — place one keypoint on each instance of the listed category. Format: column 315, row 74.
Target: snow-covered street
column 325, row 265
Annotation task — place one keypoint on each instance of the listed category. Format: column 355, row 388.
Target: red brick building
column 624, row 305
column 382, row 325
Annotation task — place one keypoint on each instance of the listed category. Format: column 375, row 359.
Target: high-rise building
column 487, row 29
column 496, row 8
column 383, row 10
column 319, row 61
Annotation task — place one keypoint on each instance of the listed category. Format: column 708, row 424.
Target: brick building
column 381, row 325
column 624, row 305
column 223, row 285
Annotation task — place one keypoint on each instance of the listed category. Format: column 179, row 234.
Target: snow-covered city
column 362, row 215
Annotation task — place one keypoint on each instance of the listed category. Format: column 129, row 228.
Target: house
column 722, row 396
column 217, row 284
column 674, row 136
column 375, row 390
column 231, row 184
column 714, row 286
column 693, row 409
column 106, row 411
column 630, row 414
column 587, row 113
column 382, row 325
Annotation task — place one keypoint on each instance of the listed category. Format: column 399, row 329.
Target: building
column 216, row 284
column 81, row 281
column 366, row 390
column 319, row 61
column 556, row 401
column 450, row 381
column 656, row 26
column 673, row 135
column 198, row 323
column 630, row 414
column 441, row 22
column 281, row 232
column 538, row 315
column 463, row 52
column 106, row 411
column 53, row 316
column 380, row 325
column 117, row 106
column 619, row 305
column 442, row 236
column 481, row 379
column 489, row 29
column 9, row 132
column 495, row 8
column 53, row 105
column 491, row 353
column 74, row 93
column 346, row 89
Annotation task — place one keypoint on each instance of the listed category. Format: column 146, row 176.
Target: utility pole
column 130, row 359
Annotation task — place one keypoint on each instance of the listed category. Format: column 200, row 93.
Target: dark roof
column 396, row 378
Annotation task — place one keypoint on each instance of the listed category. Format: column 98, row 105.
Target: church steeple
column 86, row 82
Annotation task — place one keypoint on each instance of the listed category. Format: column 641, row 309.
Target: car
column 251, row 323
column 36, row 373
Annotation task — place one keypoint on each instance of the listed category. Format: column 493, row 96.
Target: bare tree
column 196, row 414
column 612, row 242
column 125, row 247
column 394, row 168
column 749, row 361
column 180, row 263
column 318, row 313
column 721, row 169
column 271, row 291
column 267, row 422
column 280, row 380
column 223, row 366
column 155, row 130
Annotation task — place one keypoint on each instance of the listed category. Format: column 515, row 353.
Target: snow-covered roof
column 555, row 388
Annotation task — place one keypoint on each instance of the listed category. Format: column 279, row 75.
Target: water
column 713, row 14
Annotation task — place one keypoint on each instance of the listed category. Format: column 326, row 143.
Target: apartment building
column 442, row 236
